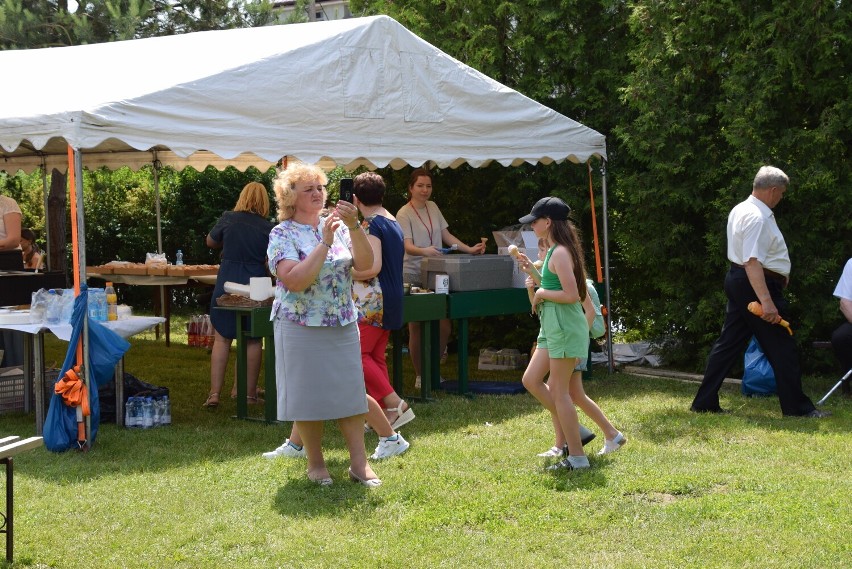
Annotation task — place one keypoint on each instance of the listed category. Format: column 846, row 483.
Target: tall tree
column 720, row 88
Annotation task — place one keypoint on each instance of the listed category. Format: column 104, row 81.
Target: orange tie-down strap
column 73, row 390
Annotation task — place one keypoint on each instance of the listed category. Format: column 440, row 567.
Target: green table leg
column 434, row 354
column 463, row 334
column 426, row 361
column 269, row 380
column 396, row 359
column 242, row 373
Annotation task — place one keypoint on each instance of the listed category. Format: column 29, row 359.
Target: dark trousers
column 777, row 344
column 841, row 341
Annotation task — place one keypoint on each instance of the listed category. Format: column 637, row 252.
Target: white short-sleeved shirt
column 423, row 227
column 844, row 285
column 753, row 233
column 7, row 205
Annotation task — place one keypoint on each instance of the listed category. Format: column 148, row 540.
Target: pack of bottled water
column 147, row 412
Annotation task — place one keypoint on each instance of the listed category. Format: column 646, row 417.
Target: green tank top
column 549, row 280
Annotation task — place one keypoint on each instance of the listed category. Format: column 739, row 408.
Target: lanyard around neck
column 428, row 227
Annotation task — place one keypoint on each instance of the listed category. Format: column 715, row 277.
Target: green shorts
column 564, row 330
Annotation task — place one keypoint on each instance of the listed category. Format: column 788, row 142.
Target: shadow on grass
column 301, row 498
column 674, row 420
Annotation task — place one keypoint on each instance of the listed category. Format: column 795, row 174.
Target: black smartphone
column 346, row 189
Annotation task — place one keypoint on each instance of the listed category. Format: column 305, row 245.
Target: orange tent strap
column 75, row 247
column 73, row 391
column 598, row 265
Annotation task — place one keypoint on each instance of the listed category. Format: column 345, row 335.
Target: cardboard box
column 99, row 270
column 192, row 270
column 158, row 270
column 469, row 272
column 200, row 270
column 507, row 358
column 130, row 270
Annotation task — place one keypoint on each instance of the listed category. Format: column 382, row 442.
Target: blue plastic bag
column 758, row 377
column 105, row 350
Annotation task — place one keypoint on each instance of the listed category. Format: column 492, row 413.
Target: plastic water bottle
column 103, row 311
column 158, row 411
column 179, row 257
column 97, row 304
column 131, row 413
column 112, row 302
column 147, row 413
column 54, row 308
column 93, row 305
column 67, row 305
column 167, row 411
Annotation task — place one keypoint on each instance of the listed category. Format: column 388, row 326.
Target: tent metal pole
column 156, row 169
column 81, row 256
column 610, row 361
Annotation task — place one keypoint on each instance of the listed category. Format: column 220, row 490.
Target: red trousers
column 373, row 343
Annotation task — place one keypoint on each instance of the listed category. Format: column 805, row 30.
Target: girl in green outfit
column 564, row 335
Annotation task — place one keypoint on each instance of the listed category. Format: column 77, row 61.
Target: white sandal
column 402, row 417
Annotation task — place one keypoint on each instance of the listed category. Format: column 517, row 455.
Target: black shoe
column 817, row 414
column 717, row 411
column 586, row 435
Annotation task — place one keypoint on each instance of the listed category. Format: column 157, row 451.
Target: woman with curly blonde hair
column 317, row 347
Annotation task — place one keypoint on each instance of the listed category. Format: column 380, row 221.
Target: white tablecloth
column 124, row 328
column 155, row 280
column 143, row 280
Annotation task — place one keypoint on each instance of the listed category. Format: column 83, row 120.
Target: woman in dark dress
column 243, row 235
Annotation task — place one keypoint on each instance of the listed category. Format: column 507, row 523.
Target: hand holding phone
column 346, row 189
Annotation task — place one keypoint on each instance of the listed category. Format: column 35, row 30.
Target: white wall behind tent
column 322, row 9
column 351, row 92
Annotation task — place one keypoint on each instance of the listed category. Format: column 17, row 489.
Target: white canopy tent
column 361, row 91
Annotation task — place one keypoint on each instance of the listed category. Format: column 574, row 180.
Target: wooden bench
column 9, row 447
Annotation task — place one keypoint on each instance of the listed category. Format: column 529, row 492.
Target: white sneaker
column 551, row 452
column 289, row 449
column 613, row 445
column 417, row 382
column 390, row 446
column 570, row 463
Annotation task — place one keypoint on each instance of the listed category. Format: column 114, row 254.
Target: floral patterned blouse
column 326, row 302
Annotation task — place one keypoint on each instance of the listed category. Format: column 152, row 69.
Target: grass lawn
column 749, row 489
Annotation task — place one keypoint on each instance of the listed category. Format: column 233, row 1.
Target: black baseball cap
column 551, row 207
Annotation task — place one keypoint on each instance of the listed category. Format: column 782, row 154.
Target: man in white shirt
column 760, row 270
column 841, row 339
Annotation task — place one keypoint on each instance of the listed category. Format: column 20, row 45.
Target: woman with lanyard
column 425, row 230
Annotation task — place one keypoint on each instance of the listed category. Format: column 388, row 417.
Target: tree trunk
column 55, row 214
